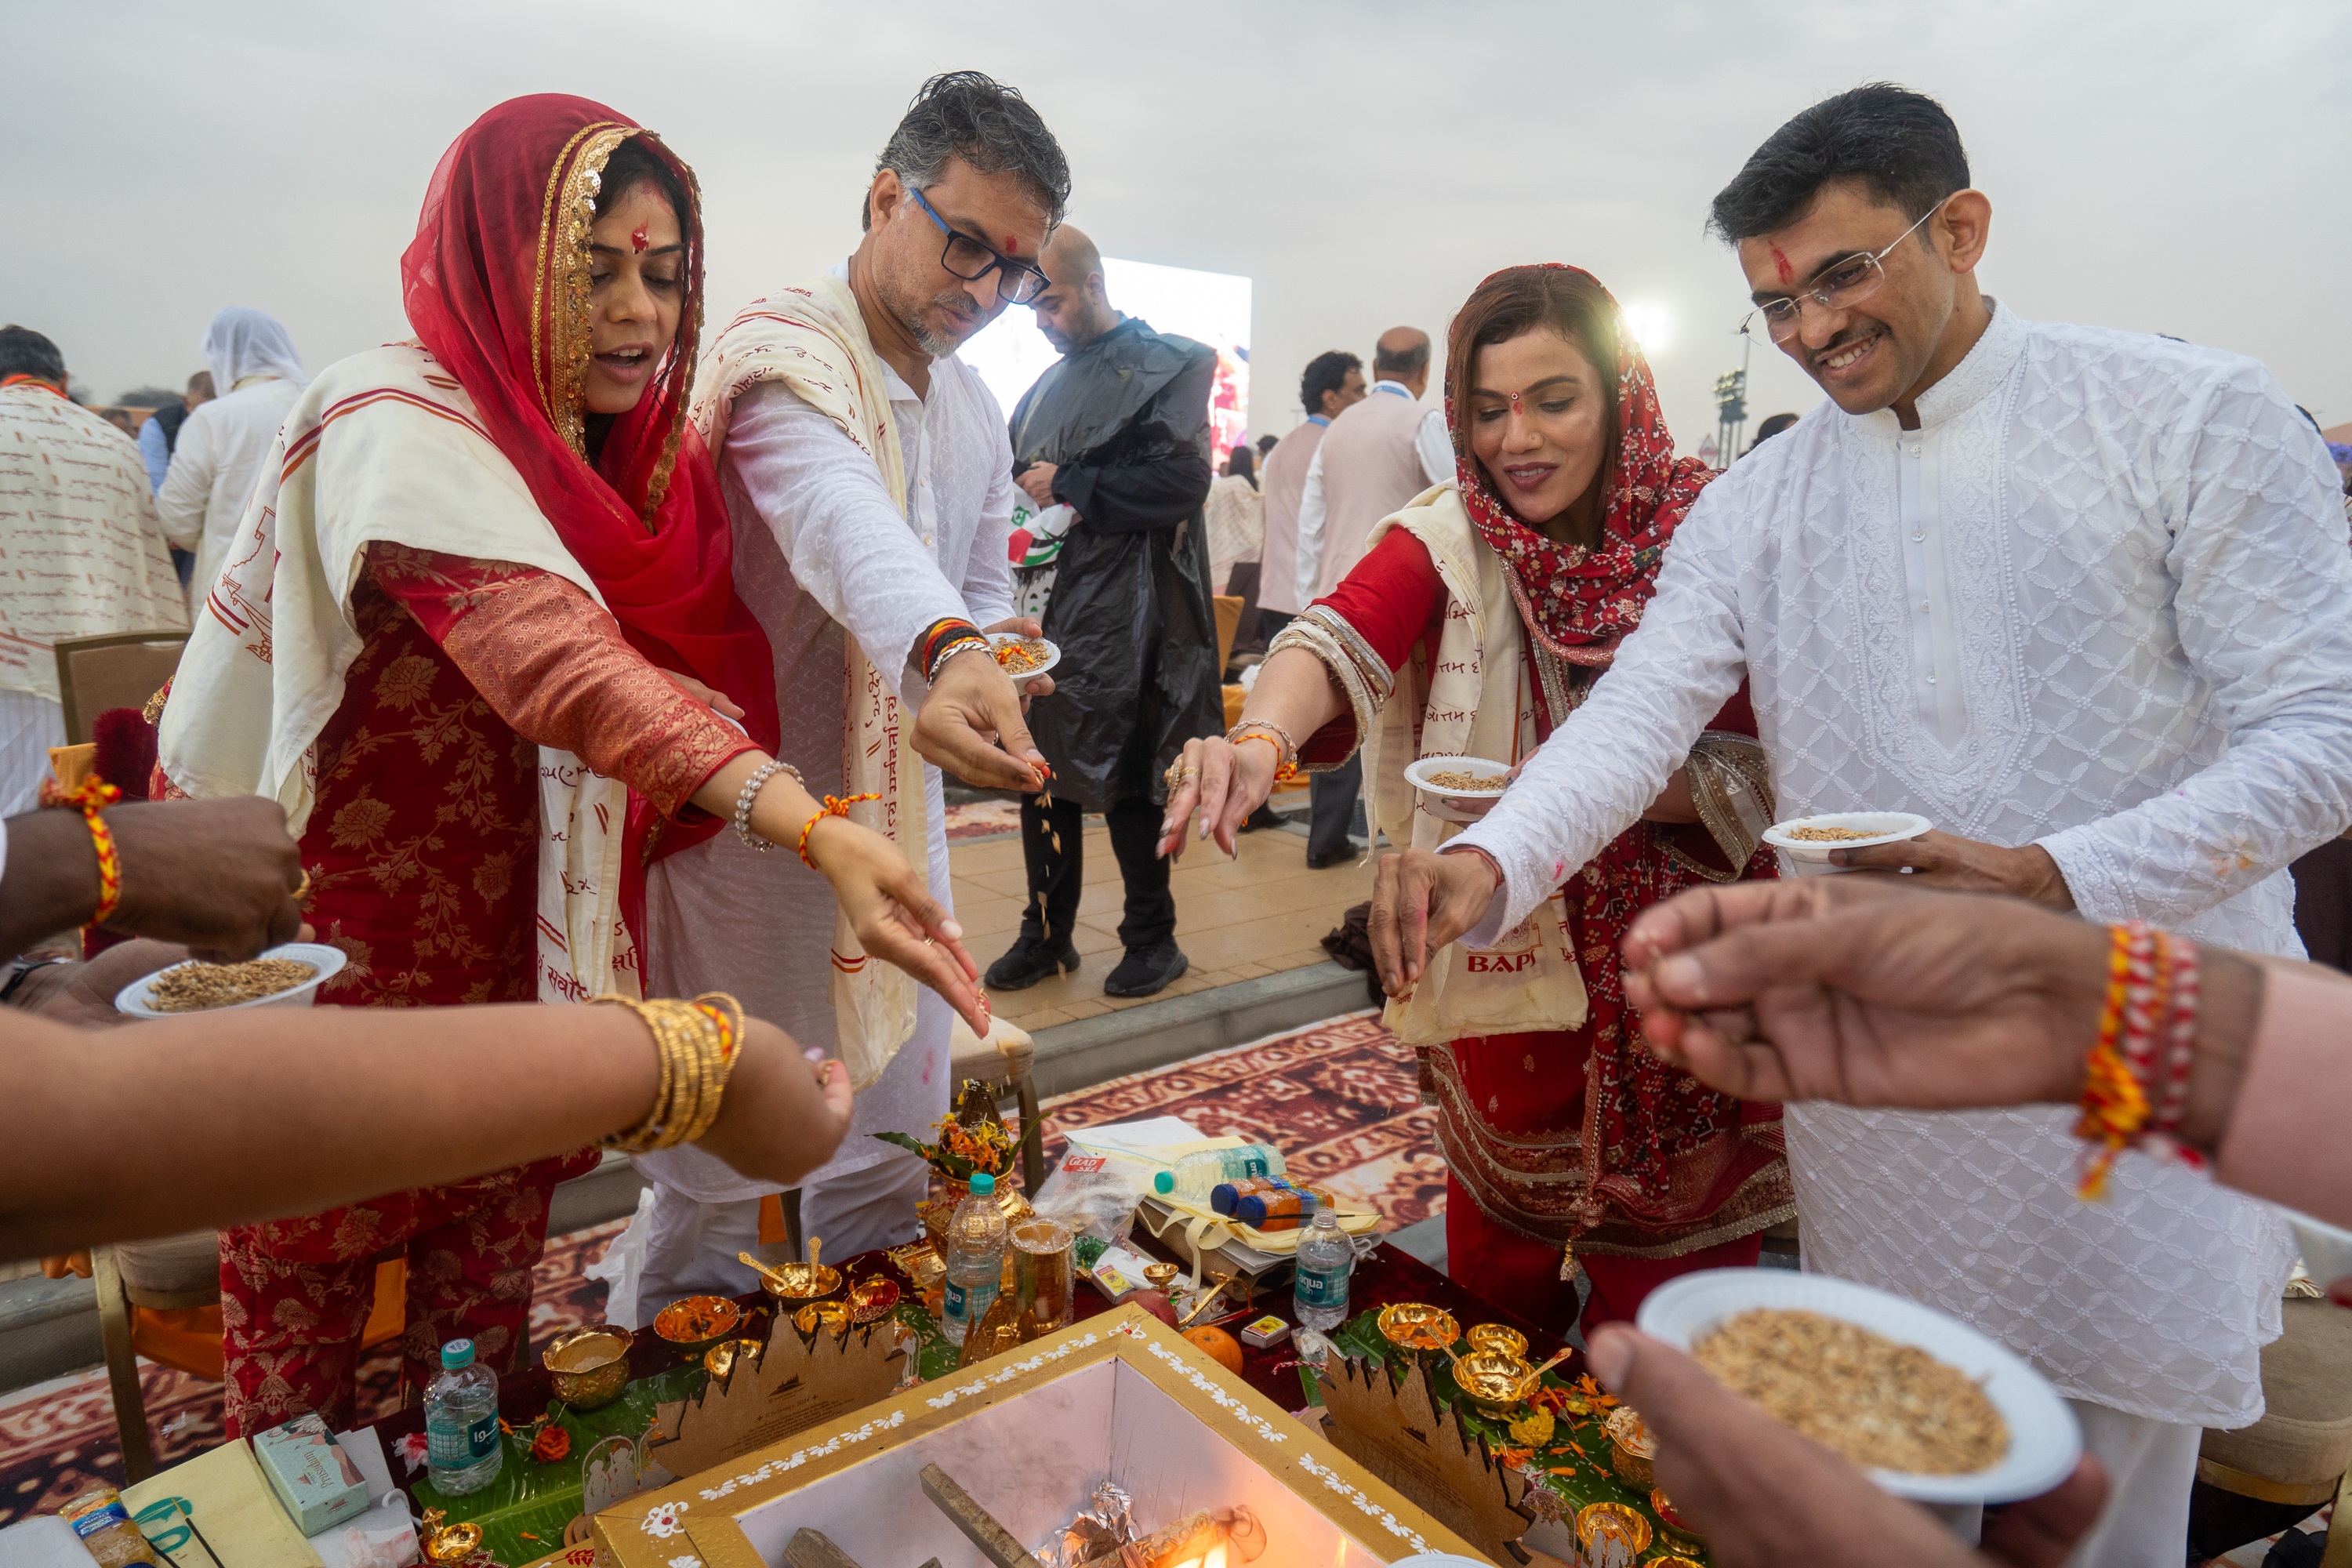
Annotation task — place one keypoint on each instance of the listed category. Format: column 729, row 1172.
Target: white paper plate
column 132, row 999
column 1053, row 655
column 2044, row 1444
column 1456, row 805
column 1810, row 857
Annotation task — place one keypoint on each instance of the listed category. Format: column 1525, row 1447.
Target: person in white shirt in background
column 845, row 575
column 84, row 554
column 1374, row 460
column 2079, row 597
column 256, row 375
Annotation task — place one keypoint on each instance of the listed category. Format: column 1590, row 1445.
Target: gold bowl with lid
column 589, row 1365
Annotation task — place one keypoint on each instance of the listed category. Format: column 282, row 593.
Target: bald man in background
column 1117, row 430
column 1376, row 456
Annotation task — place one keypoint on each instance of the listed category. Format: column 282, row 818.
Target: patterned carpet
column 1336, row 1097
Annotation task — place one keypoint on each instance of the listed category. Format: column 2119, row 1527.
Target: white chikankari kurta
column 2098, row 601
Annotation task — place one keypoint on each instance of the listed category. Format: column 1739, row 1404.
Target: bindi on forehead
column 1780, row 263
column 638, row 241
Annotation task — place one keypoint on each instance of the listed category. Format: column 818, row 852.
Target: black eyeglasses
column 971, row 262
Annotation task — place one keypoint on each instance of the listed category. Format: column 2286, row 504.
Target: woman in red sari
column 471, row 638
column 1479, row 617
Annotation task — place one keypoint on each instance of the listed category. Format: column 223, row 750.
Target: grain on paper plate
column 1877, row 1401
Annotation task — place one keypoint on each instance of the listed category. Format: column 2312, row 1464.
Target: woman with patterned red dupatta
column 477, row 637
column 1479, row 618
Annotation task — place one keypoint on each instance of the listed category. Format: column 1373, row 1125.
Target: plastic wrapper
column 1095, row 1194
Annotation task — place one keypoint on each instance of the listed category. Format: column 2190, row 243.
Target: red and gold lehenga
column 1563, row 1143
column 442, row 644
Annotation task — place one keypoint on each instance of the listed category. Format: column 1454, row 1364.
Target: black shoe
column 1346, row 856
column 1147, row 970
column 1263, row 816
column 1028, row 961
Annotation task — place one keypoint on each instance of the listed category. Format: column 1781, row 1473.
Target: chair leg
column 122, row 1366
column 2339, row 1531
column 1033, row 1135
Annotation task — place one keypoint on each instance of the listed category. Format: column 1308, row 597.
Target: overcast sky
column 2166, row 167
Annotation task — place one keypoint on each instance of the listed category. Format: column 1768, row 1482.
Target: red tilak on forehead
column 1788, row 274
column 1011, row 246
column 638, row 243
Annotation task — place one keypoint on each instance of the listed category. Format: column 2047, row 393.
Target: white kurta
column 219, row 456
column 2098, row 601
column 821, row 549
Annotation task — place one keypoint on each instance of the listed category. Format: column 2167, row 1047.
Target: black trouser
column 1331, row 801
column 1058, row 874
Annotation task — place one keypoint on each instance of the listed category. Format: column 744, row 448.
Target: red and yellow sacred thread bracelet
column 835, row 805
column 91, row 798
column 2150, row 1008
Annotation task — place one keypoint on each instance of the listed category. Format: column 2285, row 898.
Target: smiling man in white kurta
column 869, row 482
column 2078, row 596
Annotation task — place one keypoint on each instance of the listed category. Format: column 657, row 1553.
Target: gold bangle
column 696, row 1043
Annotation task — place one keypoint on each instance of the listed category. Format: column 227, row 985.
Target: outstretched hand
column 890, row 906
column 1765, row 1496
column 1858, row 990
column 972, row 722
column 1218, row 785
column 1422, row 899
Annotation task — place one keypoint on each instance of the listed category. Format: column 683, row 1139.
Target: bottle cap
column 982, row 1184
column 457, row 1353
column 1163, row 1182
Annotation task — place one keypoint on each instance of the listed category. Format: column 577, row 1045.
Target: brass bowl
column 1417, row 1326
column 1671, row 1525
column 720, row 1359
column 588, row 1366
column 453, row 1544
column 1673, row 1560
column 802, row 1281
column 696, row 1323
column 871, row 1300
column 1499, row 1337
column 1631, row 1448
column 1598, row 1524
column 1496, row 1382
column 830, row 1317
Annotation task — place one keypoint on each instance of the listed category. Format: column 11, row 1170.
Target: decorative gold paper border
column 698, row 1516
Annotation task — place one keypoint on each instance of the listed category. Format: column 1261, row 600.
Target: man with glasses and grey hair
column 866, row 476
column 2077, row 596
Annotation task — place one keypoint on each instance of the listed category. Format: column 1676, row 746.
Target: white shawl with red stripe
column 382, row 446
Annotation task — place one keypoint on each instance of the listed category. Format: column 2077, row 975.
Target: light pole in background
column 1731, row 406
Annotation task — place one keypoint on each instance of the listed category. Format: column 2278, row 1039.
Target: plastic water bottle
column 1326, row 1260
column 1196, row 1176
column 975, row 1258
column 462, row 1450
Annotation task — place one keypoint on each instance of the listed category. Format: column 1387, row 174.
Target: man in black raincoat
column 1118, row 429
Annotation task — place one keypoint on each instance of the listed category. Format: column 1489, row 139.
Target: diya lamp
column 446, row 1545
column 1159, row 1276
column 698, row 1323
column 1672, row 1526
column 588, row 1366
column 1499, row 1337
column 1417, row 1326
column 1611, row 1535
column 1631, row 1448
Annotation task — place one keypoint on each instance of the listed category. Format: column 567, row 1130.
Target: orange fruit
column 1220, row 1346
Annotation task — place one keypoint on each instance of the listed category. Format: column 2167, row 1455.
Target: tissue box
column 310, row 1474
